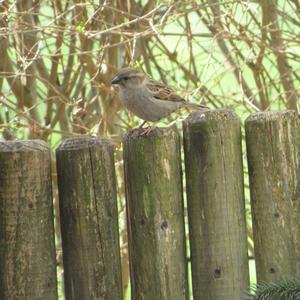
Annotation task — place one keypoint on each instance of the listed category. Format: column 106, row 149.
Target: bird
column 148, row 99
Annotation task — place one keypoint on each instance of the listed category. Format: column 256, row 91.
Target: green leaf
column 80, row 27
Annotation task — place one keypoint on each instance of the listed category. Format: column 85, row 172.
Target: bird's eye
column 126, row 78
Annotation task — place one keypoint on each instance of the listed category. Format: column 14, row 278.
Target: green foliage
column 286, row 289
column 80, row 27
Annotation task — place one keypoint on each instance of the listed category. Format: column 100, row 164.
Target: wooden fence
column 155, row 212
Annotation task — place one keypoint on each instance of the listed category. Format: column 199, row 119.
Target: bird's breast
column 142, row 103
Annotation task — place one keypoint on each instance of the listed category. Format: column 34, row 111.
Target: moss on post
column 27, row 249
column 155, row 215
column 89, row 219
column 215, row 197
column 273, row 149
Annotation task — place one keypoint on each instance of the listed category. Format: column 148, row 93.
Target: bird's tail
column 195, row 106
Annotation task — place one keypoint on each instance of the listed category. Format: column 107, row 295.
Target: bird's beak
column 116, row 80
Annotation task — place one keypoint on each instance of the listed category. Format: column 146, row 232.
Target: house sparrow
column 148, row 99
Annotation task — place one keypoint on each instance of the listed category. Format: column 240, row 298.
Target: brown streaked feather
column 162, row 92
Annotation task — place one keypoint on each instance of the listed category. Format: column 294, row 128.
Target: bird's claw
column 146, row 131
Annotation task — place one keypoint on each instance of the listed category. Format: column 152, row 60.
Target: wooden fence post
column 27, row 248
column 89, row 219
column 273, row 148
column 215, row 198
column 155, row 215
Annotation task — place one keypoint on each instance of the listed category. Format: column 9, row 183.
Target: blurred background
column 57, row 59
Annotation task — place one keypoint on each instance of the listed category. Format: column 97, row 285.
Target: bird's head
column 128, row 78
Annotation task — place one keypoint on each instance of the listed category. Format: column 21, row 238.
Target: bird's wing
column 162, row 92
